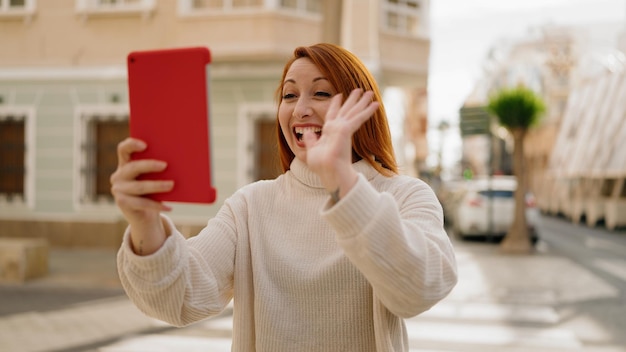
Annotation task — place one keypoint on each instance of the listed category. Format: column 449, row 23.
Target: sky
column 462, row 32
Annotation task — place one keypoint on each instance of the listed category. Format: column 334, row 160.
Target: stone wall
column 76, row 234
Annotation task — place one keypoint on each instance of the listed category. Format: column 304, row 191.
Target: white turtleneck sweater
column 305, row 274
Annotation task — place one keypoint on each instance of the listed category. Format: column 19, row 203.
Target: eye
column 323, row 94
column 289, row 96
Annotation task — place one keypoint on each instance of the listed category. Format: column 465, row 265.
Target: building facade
column 64, row 100
column 574, row 161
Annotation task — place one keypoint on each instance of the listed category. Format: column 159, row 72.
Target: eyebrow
column 314, row 80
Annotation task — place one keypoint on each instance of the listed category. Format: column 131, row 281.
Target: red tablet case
column 169, row 110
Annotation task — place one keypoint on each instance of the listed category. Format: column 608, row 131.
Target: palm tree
column 517, row 109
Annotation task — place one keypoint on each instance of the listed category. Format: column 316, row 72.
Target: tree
column 517, row 109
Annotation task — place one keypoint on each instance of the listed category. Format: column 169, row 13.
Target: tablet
column 169, row 110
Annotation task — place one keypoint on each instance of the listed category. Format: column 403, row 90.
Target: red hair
column 372, row 141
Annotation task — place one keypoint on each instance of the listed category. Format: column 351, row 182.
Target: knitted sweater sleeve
column 186, row 280
column 398, row 242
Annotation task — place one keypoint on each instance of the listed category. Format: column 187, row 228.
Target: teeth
column 301, row 130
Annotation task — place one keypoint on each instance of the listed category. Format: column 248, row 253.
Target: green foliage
column 518, row 107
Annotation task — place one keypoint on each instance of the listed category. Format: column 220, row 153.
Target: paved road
column 603, row 254
column 541, row 302
column 19, row 299
column 75, row 276
column 599, row 250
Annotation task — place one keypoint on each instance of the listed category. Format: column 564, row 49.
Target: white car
column 487, row 208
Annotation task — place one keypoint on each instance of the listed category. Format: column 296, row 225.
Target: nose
column 302, row 109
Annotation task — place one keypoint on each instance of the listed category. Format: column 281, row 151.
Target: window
column 207, row 4
column 218, row 5
column 16, row 8
column 104, row 4
column 13, row 4
column 304, row 6
column 203, row 6
column 607, row 187
column 266, row 159
column 93, row 7
column 224, row 4
column 402, row 16
column 16, row 161
column 116, row 2
column 12, row 157
column 101, row 131
column 257, row 149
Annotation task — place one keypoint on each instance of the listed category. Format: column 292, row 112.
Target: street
column 603, row 254
column 598, row 250
column 568, row 296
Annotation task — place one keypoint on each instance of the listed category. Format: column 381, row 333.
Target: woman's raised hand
column 142, row 213
column 330, row 156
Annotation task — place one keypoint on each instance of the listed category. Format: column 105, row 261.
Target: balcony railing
column 115, row 7
column 203, row 7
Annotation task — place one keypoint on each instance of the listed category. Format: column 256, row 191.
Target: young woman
column 329, row 256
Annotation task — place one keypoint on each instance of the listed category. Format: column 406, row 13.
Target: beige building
column 64, row 101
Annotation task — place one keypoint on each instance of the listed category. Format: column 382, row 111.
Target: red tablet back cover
column 169, row 110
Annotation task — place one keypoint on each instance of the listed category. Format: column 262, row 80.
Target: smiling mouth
column 299, row 131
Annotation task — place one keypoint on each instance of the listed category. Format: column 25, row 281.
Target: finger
column 128, row 146
column 130, row 196
column 141, row 188
column 310, row 139
column 139, row 167
column 353, row 98
column 365, row 114
column 364, row 110
column 131, row 203
column 361, row 104
column 134, row 169
column 333, row 108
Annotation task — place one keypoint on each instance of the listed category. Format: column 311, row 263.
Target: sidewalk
column 501, row 303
